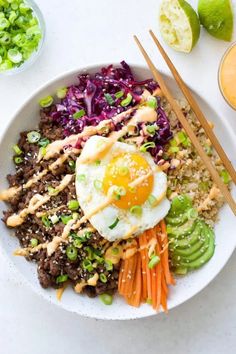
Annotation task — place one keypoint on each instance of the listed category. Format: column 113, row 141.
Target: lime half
column 179, row 25
column 217, row 18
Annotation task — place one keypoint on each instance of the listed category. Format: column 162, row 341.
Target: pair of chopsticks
column 202, row 119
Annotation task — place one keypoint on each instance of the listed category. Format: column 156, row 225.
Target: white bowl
column 27, row 118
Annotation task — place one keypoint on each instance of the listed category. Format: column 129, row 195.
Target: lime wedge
column 217, row 18
column 179, row 25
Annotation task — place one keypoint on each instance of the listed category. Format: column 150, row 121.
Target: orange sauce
column 227, row 76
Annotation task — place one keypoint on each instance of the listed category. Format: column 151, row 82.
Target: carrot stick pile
column 137, row 281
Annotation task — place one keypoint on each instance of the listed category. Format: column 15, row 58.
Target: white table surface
column 80, row 33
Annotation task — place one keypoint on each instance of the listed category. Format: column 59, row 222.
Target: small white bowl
column 27, row 118
column 34, row 56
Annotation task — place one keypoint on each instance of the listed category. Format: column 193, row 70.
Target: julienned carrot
column 143, row 267
column 135, row 298
column 149, row 285
column 165, row 256
column 132, row 261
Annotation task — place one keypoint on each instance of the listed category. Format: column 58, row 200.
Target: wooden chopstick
column 216, row 178
column 197, row 110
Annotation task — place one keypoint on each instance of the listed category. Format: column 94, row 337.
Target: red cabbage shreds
column 101, row 96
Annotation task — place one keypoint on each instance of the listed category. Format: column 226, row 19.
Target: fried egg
column 121, row 189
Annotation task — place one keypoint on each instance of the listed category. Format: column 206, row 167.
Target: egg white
column 90, row 198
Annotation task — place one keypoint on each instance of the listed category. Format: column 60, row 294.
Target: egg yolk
column 122, row 170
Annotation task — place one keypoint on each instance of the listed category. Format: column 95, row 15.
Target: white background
column 80, row 33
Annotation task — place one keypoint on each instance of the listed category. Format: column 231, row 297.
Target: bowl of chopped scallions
column 22, row 31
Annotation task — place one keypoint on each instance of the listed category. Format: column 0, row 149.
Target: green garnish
column 14, row 55
column 106, row 299
column 54, row 219
column 66, row 218
column 151, row 129
column 146, row 146
column 34, row 242
column 81, row 178
column 52, row 191
column 73, row 205
column 44, row 142
column 97, row 162
column 87, row 264
column 79, row 114
column 153, row 261
column 97, row 184
column 71, row 163
column 108, row 265
column 225, row 176
column 46, row 222
column 103, row 278
column 61, row 92
column 43, row 150
column 113, row 225
column 152, row 200
column 61, row 278
column 71, row 253
column 118, row 192
column 33, row 137
column 208, row 150
column 109, row 99
column 126, row 101
column 136, row 210
column 173, row 142
column 46, row 102
column 119, row 94
column 173, row 149
column 152, row 102
column 123, row 170
column 18, row 160
column 115, row 250
column 17, row 150
column 181, row 136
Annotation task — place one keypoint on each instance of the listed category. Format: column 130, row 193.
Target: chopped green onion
column 152, row 102
column 225, row 176
column 66, row 218
column 81, row 178
column 77, row 242
column 43, row 150
column 113, row 225
column 44, row 142
column 173, row 142
column 173, row 149
column 97, row 184
column 90, row 252
column 34, row 242
column 46, row 102
column 152, row 200
column 119, row 94
column 87, row 264
column 61, row 278
column 115, row 250
column 71, row 163
column 136, row 210
column 149, row 301
column 208, row 150
column 144, row 147
column 4, row 23
column 79, row 114
column 106, row 299
column 204, row 186
column 109, row 99
column 97, row 162
column 18, row 160
column 103, row 278
column 14, row 55
column 33, row 137
column 151, row 129
column 46, row 222
column 108, row 265
column 123, row 170
column 12, row 17
column 17, row 150
column 75, row 216
column 5, row 38
column 61, row 92
column 153, row 262
column 54, row 219
column 71, row 253
column 118, row 192
column 181, row 136
column 126, row 101
column 73, row 205
column 187, row 142
column 52, row 191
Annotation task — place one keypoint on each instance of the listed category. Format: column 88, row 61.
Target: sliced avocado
column 180, row 219
column 190, row 239
column 179, row 205
column 188, row 251
column 204, row 258
column 182, row 230
column 192, row 256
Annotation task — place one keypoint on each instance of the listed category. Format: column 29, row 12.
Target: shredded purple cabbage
column 96, row 95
